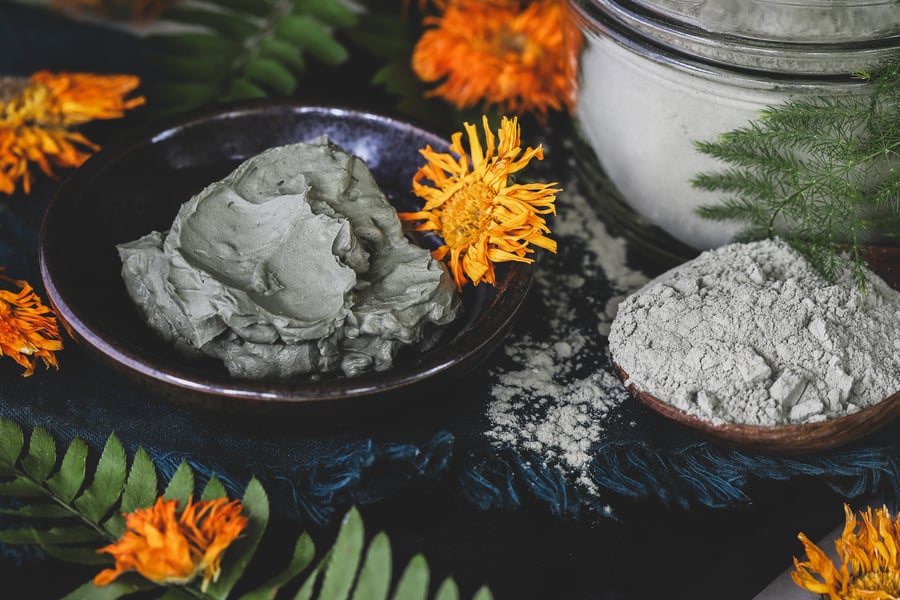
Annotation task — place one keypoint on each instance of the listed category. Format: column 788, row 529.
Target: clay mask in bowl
column 137, row 186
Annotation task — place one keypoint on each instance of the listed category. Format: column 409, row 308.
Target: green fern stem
column 252, row 45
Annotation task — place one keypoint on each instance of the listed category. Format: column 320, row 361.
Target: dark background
column 650, row 552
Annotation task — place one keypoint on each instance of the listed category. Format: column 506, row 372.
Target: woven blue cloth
column 312, row 475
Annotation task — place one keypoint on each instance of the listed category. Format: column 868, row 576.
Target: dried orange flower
column 869, row 557
column 481, row 217
column 37, row 117
column 520, row 59
column 171, row 548
column 28, row 330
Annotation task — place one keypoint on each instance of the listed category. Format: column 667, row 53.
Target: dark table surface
column 651, row 550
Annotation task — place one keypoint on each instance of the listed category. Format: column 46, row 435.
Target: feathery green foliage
column 72, row 506
column 239, row 49
column 819, row 171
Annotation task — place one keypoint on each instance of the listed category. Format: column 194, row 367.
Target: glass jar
column 655, row 76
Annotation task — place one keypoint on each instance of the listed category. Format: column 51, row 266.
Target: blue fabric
column 313, row 475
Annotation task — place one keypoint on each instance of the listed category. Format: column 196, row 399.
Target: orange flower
column 28, row 331
column 870, row 560
column 37, row 116
column 173, row 549
column 481, row 217
column 499, row 53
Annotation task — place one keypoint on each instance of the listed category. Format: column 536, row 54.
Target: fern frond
column 819, row 171
column 242, row 49
column 72, row 507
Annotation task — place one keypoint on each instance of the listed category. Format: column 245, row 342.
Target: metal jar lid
column 821, row 38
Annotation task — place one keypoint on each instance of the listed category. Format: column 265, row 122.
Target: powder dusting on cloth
column 556, row 394
column 751, row 334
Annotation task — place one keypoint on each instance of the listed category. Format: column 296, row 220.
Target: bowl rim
column 513, row 284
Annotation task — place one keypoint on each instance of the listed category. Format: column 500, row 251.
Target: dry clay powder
column 553, row 397
column 751, row 334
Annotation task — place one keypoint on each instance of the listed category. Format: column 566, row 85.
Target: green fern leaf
column 483, row 593
column 12, row 442
column 818, row 171
column 304, row 553
column 229, row 23
column 311, row 36
column 195, row 43
column 75, row 554
column 242, row 89
column 447, row 591
column 141, row 487
column 70, row 534
column 21, row 486
column 181, row 486
column 386, row 36
column 208, row 70
column 259, row 8
column 25, row 535
column 102, row 495
column 326, row 11
column 38, row 511
column 117, row 589
column 270, row 74
column 286, row 54
column 67, row 481
column 374, row 581
column 40, row 460
column 177, row 594
column 345, row 557
column 413, row 584
column 309, row 584
column 170, row 98
column 214, row 489
column 239, row 554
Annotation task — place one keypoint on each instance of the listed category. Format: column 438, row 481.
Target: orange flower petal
column 171, row 548
column 481, row 218
column 518, row 56
column 36, row 124
column 28, row 330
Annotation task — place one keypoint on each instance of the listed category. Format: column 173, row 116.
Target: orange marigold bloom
column 481, row 217
column 869, row 557
column 499, row 53
column 28, row 330
column 171, row 548
column 37, row 116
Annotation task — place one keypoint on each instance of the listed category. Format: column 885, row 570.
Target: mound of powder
column 751, row 334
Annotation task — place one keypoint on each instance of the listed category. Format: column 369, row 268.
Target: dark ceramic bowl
column 136, row 186
column 793, row 439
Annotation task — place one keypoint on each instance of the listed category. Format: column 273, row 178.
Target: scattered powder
column 556, row 393
column 751, row 334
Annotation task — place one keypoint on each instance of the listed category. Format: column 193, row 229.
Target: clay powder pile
column 751, row 334
column 556, row 395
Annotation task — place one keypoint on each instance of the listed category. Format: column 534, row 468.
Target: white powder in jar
column 751, row 334
column 641, row 115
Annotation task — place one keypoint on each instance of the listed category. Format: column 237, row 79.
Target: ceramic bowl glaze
column 137, row 186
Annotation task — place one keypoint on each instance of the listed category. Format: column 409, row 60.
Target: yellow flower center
column 466, row 214
column 510, row 42
column 886, row 582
